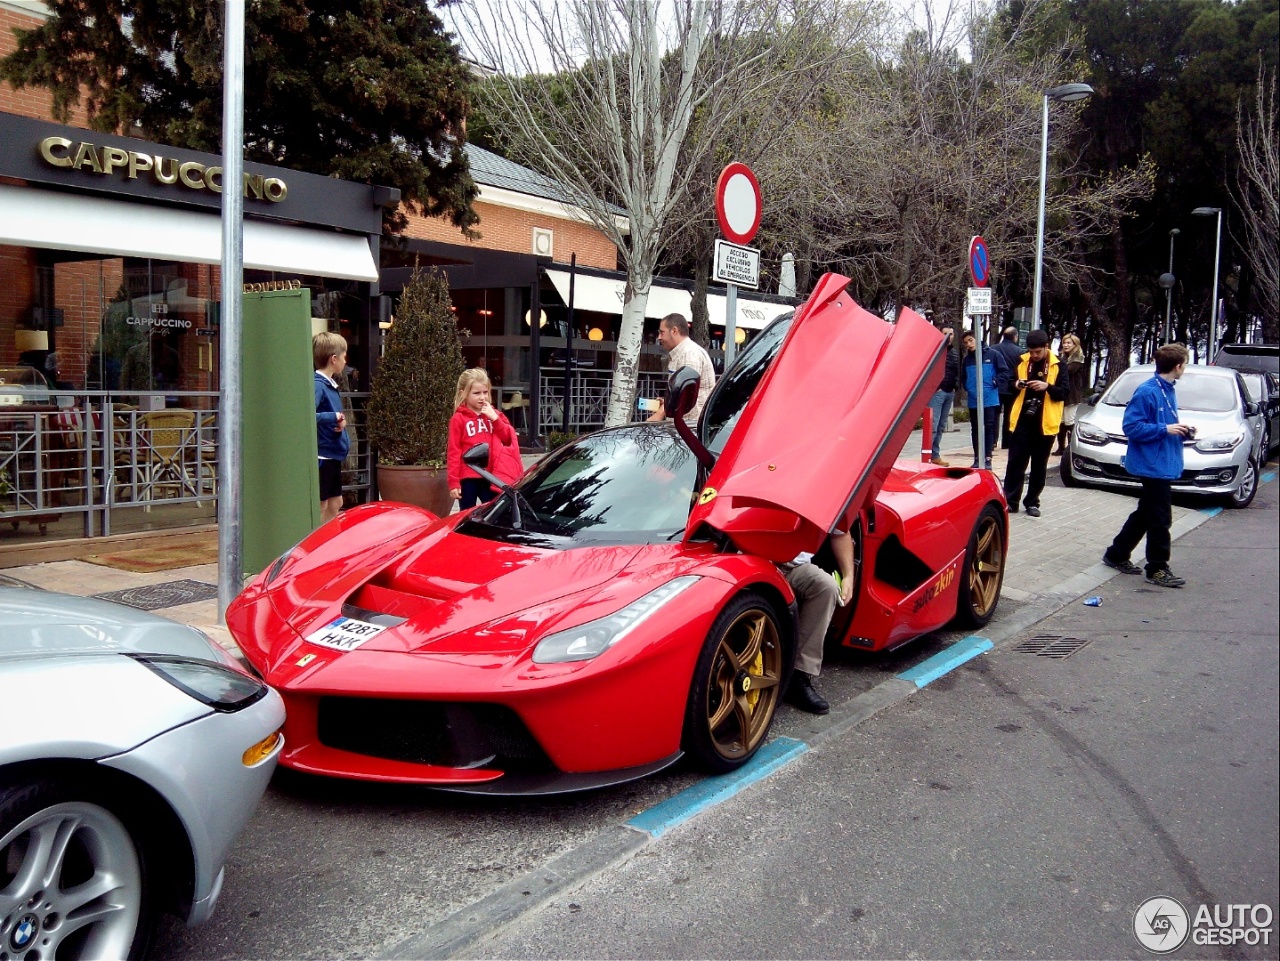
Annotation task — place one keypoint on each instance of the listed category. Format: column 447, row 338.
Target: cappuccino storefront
column 110, row 297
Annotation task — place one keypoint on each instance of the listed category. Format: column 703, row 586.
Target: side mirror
column 477, row 458
column 682, row 392
column 1251, row 409
column 682, row 397
column 1094, row 398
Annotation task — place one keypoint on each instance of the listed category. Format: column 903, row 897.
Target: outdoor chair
column 165, row 441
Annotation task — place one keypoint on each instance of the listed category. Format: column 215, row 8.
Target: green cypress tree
column 412, row 399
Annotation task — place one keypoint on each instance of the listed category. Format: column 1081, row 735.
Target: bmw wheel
column 984, row 569
column 71, row 877
column 1242, row 496
column 736, row 685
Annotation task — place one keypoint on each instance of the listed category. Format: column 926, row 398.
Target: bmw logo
column 24, row 932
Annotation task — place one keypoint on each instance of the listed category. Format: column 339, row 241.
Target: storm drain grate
column 1052, row 645
column 152, row 597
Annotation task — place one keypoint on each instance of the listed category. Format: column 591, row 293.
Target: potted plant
column 412, row 395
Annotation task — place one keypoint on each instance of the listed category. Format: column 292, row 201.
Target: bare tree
column 601, row 95
column 1258, row 200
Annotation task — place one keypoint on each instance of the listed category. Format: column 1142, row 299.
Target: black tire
column 99, row 846
column 1244, row 493
column 983, row 569
column 1064, row 470
column 737, row 684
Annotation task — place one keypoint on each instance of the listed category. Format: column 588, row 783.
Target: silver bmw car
column 132, row 752
column 1222, row 459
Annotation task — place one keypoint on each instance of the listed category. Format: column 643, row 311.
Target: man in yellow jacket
column 1042, row 386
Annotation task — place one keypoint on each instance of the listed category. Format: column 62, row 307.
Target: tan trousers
column 817, row 595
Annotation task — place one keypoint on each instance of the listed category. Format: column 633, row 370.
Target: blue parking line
column 662, row 817
column 1211, row 511
column 932, row 668
column 1268, row 477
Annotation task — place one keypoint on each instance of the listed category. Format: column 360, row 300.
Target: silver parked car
column 1223, row 458
column 132, row 752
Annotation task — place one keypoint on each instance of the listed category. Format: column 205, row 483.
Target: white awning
column 604, row 294
column 99, row 225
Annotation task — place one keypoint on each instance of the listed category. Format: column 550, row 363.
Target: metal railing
column 95, row 453
column 589, row 396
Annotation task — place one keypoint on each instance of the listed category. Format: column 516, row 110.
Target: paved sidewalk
column 1046, row 554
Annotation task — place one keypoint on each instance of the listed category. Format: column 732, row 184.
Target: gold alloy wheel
column 743, row 688
column 987, row 566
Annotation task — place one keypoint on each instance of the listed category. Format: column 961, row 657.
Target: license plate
column 345, row 634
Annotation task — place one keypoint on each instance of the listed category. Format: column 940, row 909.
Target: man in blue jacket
column 1155, row 458
column 995, row 377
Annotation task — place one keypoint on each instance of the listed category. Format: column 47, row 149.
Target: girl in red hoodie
column 477, row 422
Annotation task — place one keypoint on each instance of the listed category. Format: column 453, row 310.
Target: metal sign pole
column 979, row 455
column 730, row 323
column 230, row 540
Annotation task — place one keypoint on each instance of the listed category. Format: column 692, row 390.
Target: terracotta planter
column 426, row 487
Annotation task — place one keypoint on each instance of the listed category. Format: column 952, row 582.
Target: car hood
column 821, row 431
column 42, row 622
column 1110, row 418
column 458, row 594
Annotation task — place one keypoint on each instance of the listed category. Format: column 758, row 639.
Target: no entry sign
column 738, row 203
column 979, row 265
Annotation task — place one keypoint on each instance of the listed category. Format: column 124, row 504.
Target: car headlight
column 1089, row 434
column 1219, row 442
column 219, row 687
column 593, row 638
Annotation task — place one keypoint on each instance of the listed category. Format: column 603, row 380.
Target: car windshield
column 629, row 485
column 734, row 389
column 1195, row 391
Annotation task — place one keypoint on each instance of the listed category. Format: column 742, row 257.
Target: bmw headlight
column 219, row 687
column 589, row 640
column 1088, row 434
column 1219, row 443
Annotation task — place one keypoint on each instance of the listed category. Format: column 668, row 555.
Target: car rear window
column 1249, row 357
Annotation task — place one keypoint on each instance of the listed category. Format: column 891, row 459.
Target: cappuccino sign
column 109, row 161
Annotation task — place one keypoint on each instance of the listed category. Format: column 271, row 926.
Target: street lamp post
column 1217, row 252
column 1066, row 93
column 1168, row 291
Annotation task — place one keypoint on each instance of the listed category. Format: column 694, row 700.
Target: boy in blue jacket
column 1155, row 458
column 330, row 354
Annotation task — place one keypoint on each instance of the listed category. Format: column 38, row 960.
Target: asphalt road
column 337, row 869
column 1022, row 806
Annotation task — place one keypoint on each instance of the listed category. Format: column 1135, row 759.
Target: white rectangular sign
column 737, row 265
column 979, row 301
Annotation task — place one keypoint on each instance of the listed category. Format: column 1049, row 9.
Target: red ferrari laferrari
column 622, row 604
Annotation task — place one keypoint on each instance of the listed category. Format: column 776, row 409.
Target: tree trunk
column 700, row 321
column 622, row 393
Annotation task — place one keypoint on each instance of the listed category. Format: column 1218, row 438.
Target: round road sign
column 979, row 265
column 738, row 203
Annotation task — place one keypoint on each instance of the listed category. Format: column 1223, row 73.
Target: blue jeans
column 940, row 404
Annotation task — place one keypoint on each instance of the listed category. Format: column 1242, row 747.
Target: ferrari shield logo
column 707, row 496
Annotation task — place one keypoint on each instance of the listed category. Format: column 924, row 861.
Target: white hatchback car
column 132, row 752
column 1223, row 458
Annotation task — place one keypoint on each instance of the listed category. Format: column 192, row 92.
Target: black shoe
column 800, row 693
column 1032, row 510
column 1013, row 507
column 1165, row 578
column 1124, row 567
column 987, row 463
